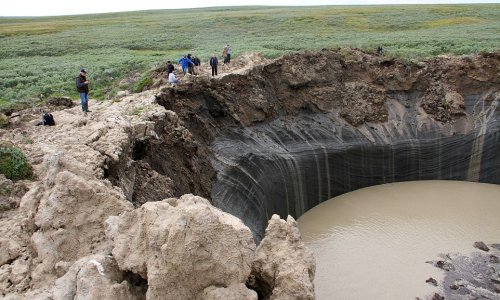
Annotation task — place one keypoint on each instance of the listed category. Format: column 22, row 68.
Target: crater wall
column 294, row 163
column 285, row 135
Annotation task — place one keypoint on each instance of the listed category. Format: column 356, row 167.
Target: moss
column 13, row 163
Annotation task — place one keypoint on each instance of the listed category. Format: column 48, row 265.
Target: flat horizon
column 31, row 8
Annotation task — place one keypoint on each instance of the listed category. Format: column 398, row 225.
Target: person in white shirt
column 171, row 77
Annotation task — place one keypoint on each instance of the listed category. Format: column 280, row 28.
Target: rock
column 495, row 246
column 6, row 188
column 431, row 281
column 233, row 292
column 9, row 251
column 481, row 246
column 445, row 265
column 61, row 101
column 95, row 277
column 122, row 94
column 70, row 218
column 283, row 267
column 436, row 296
column 182, row 246
column 494, row 259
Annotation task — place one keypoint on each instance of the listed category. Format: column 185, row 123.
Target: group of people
column 189, row 64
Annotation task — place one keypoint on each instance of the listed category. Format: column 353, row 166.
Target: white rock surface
column 182, row 246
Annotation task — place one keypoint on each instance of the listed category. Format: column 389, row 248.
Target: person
column 197, row 64
column 190, row 65
column 224, row 54
column 228, row 54
column 82, row 85
column 380, row 51
column 170, row 67
column 184, row 62
column 171, row 77
column 196, row 61
column 213, row 64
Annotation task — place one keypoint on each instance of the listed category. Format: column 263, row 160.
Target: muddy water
column 373, row 243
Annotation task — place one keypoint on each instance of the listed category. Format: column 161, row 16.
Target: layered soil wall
column 288, row 134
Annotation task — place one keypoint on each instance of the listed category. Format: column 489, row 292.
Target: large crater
column 284, row 136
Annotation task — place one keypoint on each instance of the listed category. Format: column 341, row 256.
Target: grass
column 40, row 57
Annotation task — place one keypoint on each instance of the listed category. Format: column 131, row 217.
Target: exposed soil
column 136, row 150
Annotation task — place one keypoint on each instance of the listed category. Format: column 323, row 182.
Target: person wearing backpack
column 82, row 86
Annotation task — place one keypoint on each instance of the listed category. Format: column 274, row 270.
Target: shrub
column 13, row 164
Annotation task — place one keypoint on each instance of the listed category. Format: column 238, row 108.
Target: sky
column 71, row 7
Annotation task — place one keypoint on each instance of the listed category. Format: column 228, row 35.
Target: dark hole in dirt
column 141, row 149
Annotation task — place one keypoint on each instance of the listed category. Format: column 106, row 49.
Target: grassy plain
column 42, row 56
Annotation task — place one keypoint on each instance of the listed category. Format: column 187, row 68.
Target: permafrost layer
column 286, row 135
column 294, row 163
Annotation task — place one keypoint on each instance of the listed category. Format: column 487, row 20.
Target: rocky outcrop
column 283, row 267
column 473, row 276
column 182, row 247
column 96, row 277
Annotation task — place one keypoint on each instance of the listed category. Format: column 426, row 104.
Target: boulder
column 95, row 277
column 182, row 246
column 70, row 220
column 233, row 292
column 283, row 267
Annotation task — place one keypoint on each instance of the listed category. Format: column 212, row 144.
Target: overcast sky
column 71, row 7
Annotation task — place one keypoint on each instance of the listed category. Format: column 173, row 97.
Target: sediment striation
column 123, row 198
column 291, row 133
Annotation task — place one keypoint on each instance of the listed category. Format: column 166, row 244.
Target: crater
column 286, row 135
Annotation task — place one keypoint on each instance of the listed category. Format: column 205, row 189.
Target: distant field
column 42, row 56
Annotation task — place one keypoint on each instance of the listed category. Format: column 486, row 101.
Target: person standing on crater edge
column 213, row 63
column 82, row 86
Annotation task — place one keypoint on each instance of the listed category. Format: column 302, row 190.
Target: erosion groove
column 287, row 135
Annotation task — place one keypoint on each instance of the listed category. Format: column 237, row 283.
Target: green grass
column 41, row 56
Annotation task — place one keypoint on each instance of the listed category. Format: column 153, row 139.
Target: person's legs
column 228, row 58
column 84, row 101
column 215, row 70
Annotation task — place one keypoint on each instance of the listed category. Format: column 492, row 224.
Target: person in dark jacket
column 184, row 62
column 82, row 85
column 170, row 67
column 213, row 64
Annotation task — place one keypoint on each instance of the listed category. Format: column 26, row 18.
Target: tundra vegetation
column 40, row 57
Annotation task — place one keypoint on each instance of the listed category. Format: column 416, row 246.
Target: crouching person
column 172, row 78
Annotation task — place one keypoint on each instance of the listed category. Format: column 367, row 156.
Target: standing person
column 197, row 64
column 184, row 62
column 82, row 85
column 228, row 54
column 213, row 63
column 170, row 67
column 190, row 65
column 224, row 54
